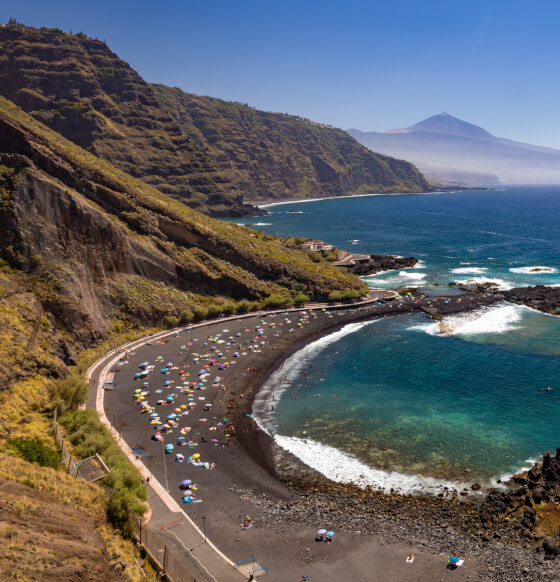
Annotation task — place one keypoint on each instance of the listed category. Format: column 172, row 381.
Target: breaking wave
column 343, row 467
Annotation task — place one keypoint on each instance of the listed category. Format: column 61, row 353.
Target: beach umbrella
column 196, row 456
column 167, row 383
column 321, row 532
column 164, row 370
column 170, row 364
column 187, row 499
column 453, row 559
column 185, row 483
column 330, row 534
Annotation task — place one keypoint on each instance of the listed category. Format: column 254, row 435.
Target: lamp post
column 164, row 462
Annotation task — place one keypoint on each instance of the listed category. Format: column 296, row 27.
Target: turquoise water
column 468, row 401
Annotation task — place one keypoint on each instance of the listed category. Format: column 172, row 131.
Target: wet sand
column 374, row 532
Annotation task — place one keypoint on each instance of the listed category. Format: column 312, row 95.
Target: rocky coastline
column 503, row 527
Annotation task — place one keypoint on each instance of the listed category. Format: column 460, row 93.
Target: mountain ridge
column 207, row 152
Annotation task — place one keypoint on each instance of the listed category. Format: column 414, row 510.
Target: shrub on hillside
column 124, row 481
column 35, row 451
column 68, row 393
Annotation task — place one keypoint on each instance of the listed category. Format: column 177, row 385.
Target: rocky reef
column 540, row 297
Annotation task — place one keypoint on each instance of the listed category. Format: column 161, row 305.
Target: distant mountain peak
column 446, row 124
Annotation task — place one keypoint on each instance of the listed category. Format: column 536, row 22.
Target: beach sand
column 374, row 532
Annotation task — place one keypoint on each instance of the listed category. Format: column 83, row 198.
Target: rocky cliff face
column 206, row 152
column 99, row 241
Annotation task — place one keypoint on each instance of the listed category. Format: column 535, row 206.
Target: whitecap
column 538, row 270
column 500, row 283
column 470, row 270
column 262, row 224
column 408, row 275
column 498, row 319
column 343, row 467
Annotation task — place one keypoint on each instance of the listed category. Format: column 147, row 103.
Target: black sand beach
column 285, row 501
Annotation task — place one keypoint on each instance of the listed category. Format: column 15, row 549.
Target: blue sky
column 373, row 65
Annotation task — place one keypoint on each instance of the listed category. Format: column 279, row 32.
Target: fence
column 178, row 565
column 68, row 460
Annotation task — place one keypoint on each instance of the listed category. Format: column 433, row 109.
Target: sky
column 373, row 65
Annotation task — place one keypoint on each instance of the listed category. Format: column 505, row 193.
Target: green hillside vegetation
column 206, row 152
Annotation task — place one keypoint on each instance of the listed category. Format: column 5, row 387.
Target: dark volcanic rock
column 546, row 299
column 384, row 263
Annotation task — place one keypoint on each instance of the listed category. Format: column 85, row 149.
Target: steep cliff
column 102, row 244
column 206, row 152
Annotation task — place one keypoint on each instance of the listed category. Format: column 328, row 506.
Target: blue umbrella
column 164, row 370
column 330, row 534
column 453, row 559
column 167, row 383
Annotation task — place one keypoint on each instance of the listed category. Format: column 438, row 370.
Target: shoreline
column 287, row 500
column 260, row 444
column 276, row 202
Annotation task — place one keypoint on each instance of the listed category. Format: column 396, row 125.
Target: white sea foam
column 281, row 379
column 262, row 224
column 420, row 265
column 415, row 276
column 529, row 463
column 481, row 321
column 538, row 270
column 470, row 270
column 343, row 467
column 500, row 283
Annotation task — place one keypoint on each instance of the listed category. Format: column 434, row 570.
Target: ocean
column 400, row 403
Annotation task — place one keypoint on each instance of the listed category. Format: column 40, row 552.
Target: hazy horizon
column 369, row 66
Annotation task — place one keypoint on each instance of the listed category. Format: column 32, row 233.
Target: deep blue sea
column 404, row 402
